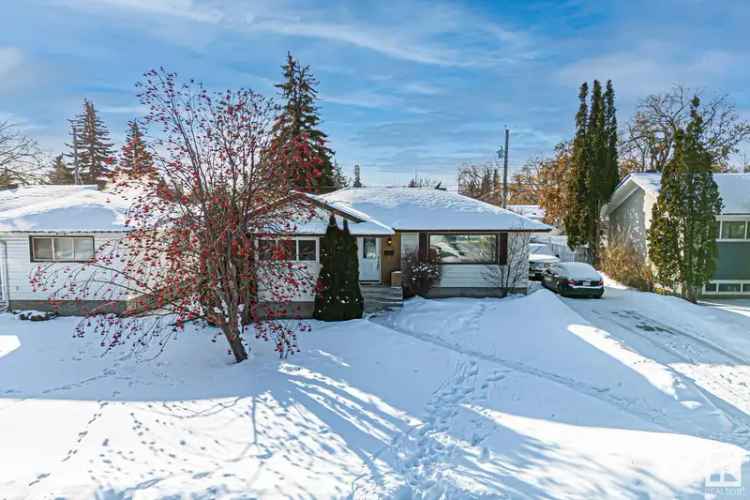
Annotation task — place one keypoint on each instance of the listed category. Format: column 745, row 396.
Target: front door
column 369, row 259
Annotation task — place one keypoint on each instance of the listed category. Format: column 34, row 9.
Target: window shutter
column 502, row 248
column 423, row 247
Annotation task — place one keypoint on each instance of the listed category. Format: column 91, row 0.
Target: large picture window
column 62, row 248
column 465, row 248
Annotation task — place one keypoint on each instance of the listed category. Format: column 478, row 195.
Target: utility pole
column 76, row 173
column 503, row 153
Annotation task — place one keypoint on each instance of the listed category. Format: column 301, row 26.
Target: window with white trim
column 302, row 250
column 727, row 287
column 734, row 230
column 62, row 248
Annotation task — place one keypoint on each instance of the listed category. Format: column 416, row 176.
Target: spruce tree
column 134, row 157
column 298, row 122
column 683, row 232
column 90, row 145
column 60, row 173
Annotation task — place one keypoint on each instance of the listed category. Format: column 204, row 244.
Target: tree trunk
column 232, row 334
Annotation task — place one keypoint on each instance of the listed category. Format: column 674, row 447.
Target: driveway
column 708, row 343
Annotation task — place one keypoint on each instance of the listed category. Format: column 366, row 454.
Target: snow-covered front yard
column 535, row 396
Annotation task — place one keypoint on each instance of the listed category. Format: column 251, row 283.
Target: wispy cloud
column 125, row 110
column 187, row 9
column 650, row 68
column 361, row 99
column 422, row 88
column 11, row 60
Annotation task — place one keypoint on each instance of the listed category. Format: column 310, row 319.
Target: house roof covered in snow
column 531, row 211
column 69, row 208
column 422, row 209
column 733, row 188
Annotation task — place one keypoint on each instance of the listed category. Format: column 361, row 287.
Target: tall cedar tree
column 298, row 122
column 682, row 236
column 338, row 296
column 134, row 158
column 91, row 144
column 594, row 173
column 60, row 173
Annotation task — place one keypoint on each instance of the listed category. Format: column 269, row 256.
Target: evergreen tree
column 594, row 173
column 683, row 232
column 338, row 296
column 611, row 175
column 134, row 157
column 575, row 225
column 357, row 179
column 298, row 122
column 91, row 146
column 60, row 173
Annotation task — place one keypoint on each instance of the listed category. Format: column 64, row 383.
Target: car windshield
column 540, row 248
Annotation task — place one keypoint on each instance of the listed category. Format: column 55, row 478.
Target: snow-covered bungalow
column 628, row 216
column 67, row 224
column 470, row 237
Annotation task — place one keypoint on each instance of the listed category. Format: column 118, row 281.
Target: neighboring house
column 628, row 216
column 533, row 212
column 66, row 224
column 52, row 224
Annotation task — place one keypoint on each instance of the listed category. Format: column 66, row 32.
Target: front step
column 380, row 297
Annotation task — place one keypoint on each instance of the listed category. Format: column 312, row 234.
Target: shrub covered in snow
column 418, row 276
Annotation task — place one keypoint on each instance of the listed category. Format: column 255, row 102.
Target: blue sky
column 405, row 86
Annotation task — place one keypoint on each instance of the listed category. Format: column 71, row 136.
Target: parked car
column 574, row 279
column 541, row 256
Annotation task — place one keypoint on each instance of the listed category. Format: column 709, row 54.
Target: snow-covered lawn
column 461, row 398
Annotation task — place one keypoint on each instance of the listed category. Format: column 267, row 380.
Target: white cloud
column 650, row 69
column 422, row 88
column 362, row 99
column 11, row 60
column 177, row 8
column 139, row 109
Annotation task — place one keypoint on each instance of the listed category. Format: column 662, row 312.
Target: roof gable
column 734, row 190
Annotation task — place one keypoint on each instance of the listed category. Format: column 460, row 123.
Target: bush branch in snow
column 214, row 187
column 514, row 274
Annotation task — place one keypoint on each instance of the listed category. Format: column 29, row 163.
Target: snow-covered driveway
column 708, row 344
column 459, row 398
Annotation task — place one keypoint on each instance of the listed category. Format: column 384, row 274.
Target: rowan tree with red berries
column 215, row 188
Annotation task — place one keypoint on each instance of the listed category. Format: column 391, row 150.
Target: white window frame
column 34, row 258
column 733, row 218
column 717, row 293
column 296, row 248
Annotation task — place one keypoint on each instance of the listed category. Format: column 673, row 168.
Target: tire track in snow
column 649, row 330
column 632, row 407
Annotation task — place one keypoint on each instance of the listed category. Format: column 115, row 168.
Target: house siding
column 630, row 221
column 733, row 262
column 19, row 265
